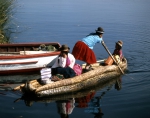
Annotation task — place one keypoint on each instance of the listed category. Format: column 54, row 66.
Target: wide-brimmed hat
column 120, row 43
column 64, row 48
column 100, row 30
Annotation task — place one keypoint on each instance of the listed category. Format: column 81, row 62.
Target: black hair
column 119, row 47
column 66, row 52
column 93, row 34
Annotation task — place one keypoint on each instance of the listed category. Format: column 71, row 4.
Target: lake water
column 66, row 22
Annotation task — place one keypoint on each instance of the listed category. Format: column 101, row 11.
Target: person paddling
column 83, row 50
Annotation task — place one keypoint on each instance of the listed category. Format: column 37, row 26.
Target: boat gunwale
column 30, row 56
column 17, row 55
column 29, row 44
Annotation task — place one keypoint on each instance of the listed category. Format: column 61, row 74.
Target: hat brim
column 66, row 50
column 119, row 44
column 101, row 32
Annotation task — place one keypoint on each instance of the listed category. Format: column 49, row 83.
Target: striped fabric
column 46, row 75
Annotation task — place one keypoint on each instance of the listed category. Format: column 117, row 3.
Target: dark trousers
column 67, row 72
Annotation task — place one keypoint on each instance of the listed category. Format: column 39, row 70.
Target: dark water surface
column 67, row 21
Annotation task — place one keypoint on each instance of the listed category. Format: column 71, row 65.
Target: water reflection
column 65, row 107
column 118, row 84
column 94, row 107
column 15, row 79
column 92, row 104
column 87, row 99
column 5, row 87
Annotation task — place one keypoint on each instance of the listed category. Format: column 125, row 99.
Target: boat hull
column 22, row 66
column 79, row 94
column 19, row 59
column 77, row 83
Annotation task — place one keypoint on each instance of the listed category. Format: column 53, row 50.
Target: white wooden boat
column 20, row 58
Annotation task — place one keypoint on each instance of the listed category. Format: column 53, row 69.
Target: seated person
column 117, row 54
column 64, row 63
column 118, row 49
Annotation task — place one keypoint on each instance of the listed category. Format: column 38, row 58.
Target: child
column 118, row 49
column 117, row 54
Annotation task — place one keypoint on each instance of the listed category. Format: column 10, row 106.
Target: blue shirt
column 91, row 40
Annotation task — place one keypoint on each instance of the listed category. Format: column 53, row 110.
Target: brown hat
column 64, row 48
column 100, row 30
column 120, row 43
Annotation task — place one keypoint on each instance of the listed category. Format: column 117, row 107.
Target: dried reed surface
column 107, row 82
column 79, row 82
column 83, row 81
column 6, row 12
column 78, row 79
column 78, row 86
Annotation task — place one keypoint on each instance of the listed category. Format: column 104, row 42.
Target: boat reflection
column 92, row 103
column 94, row 107
column 16, row 79
column 87, row 99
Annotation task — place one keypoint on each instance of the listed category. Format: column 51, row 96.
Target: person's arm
column 72, row 60
column 56, row 63
column 121, row 54
column 114, row 52
column 62, row 62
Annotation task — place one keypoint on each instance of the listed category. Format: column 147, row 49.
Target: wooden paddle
column 112, row 57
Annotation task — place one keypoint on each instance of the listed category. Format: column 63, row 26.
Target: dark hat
column 64, row 48
column 100, row 30
column 120, row 43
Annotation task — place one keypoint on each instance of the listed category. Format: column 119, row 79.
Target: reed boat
column 91, row 78
column 21, row 58
column 107, row 83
